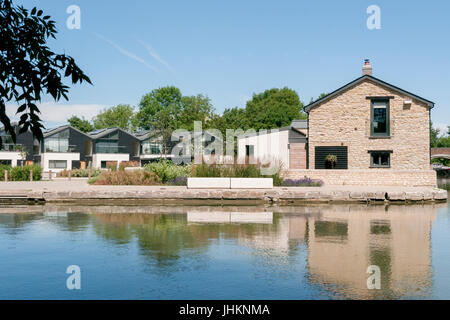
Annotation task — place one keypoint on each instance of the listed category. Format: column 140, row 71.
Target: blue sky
column 229, row 50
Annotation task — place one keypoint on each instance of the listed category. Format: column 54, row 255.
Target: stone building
column 367, row 132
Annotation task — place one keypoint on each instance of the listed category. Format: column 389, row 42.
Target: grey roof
column 146, row 134
column 359, row 80
column 299, row 124
column 53, row 131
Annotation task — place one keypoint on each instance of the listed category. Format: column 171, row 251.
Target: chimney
column 367, row 68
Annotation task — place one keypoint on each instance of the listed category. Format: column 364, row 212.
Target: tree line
column 166, row 109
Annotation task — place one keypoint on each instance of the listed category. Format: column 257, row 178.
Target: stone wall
column 369, row 177
column 345, row 121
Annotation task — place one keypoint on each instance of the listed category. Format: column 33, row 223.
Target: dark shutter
column 322, row 152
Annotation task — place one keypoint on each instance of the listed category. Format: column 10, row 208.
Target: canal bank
column 79, row 191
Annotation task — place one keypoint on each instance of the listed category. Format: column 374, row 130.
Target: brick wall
column 369, row 177
column 345, row 121
column 440, row 151
column 297, row 156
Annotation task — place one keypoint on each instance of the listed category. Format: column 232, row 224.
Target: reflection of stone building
column 346, row 240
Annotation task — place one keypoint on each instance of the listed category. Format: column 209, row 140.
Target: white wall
column 67, row 156
column 97, row 158
column 269, row 146
column 13, row 156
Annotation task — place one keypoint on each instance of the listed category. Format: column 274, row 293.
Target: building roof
column 359, row 80
column 299, row 124
column 53, row 131
column 97, row 134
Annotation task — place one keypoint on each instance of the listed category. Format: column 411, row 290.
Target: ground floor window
column 5, row 162
column 249, row 151
column 57, row 164
column 331, row 157
column 380, row 159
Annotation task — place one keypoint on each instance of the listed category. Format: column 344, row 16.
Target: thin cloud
column 126, row 52
column 155, row 55
column 55, row 113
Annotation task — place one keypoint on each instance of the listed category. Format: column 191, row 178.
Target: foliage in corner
column 28, row 68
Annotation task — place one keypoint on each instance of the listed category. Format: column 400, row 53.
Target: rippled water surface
column 312, row 252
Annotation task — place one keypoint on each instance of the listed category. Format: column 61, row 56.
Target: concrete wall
column 345, row 121
column 69, row 157
column 369, row 177
column 13, row 156
column 270, row 146
column 99, row 157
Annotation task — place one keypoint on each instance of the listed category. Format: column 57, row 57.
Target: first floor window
column 57, row 164
column 380, row 159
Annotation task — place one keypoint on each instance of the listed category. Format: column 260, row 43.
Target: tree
column 274, row 108
column 81, row 124
column 434, row 136
column 28, row 68
column 195, row 108
column 159, row 110
column 121, row 116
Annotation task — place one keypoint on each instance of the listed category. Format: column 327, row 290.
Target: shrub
column 167, row 170
column 305, row 182
column 79, row 173
column 23, row 173
column 4, row 167
column 111, row 165
column 128, row 164
column 179, row 181
column 236, row 171
column 137, row 177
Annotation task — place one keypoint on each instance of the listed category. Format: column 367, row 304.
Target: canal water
column 310, row 252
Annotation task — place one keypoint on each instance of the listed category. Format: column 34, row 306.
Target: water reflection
column 337, row 243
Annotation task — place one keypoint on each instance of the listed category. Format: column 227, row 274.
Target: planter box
column 230, row 183
column 208, row 183
column 251, row 183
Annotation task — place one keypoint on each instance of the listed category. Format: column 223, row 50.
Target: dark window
column 379, row 118
column 321, row 154
column 249, row 151
column 57, row 164
column 6, row 162
column 380, row 159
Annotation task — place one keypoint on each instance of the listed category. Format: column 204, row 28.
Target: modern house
column 151, row 148
column 64, row 148
column 16, row 153
column 113, row 145
column 369, row 131
column 287, row 144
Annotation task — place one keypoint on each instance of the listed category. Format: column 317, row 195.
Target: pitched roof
column 53, row 131
column 361, row 79
column 96, row 134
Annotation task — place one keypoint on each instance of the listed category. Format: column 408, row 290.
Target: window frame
column 388, row 118
column 56, row 167
column 380, row 152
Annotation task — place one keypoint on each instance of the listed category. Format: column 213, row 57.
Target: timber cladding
column 341, row 153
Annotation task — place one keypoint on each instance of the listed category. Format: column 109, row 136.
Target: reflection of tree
column 16, row 222
column 164, row 237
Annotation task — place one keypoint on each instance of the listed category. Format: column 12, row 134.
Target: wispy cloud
column 126, row 52
column 53, row 113
column 155, row 55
